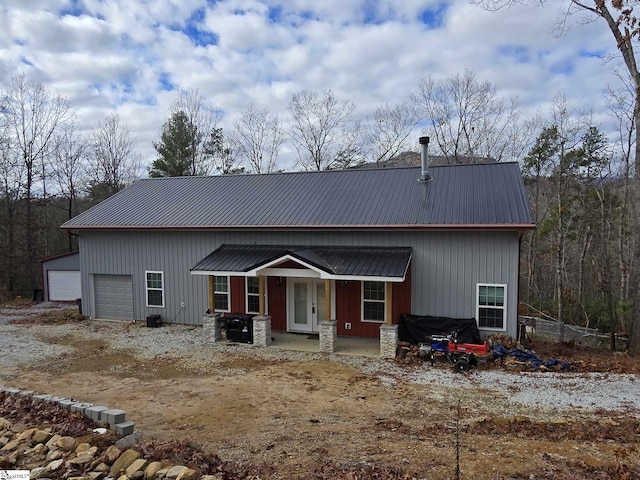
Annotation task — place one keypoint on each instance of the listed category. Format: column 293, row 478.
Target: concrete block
column 57, row 399
column 26, row 393
column 11, row 390
column 125, row 428
column 80, row 407
column 66, row 404
column 112, row 417
column 94, row 413
column 42, row 398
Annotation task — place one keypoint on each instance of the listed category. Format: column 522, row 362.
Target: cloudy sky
column 129, row 56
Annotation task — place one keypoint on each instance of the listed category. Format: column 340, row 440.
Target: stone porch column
column 212, row 327
column 388, row 341
column 328, row 334
column 262, row 331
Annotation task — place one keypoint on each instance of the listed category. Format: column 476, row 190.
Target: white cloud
column 115, row 55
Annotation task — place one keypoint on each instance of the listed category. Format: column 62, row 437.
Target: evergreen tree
column 176, row 148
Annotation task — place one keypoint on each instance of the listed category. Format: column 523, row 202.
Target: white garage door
column 63, row 286
column 114, row 296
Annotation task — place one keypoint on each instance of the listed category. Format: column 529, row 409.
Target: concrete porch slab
column 301, row 342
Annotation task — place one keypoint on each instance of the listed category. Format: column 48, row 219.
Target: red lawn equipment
column 462, row 355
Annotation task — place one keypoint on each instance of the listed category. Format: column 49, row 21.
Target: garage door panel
column 63, row 285
column 114, row 296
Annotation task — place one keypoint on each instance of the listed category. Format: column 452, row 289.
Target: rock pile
column 49, row 455
column 65, row 444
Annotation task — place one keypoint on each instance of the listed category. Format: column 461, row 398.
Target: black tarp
column 418, row 329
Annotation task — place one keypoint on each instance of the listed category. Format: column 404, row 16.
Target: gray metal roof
column 347, row 261
column 465, row 196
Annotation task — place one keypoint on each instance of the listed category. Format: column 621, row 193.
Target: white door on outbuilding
column 63, row 285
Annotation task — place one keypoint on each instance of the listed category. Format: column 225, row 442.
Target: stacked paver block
column 328, row 334
column 95, row 412
column 262, row 331
column 66, row 404
column 80, row 407
column 114, row 419
column 388, row 341
column 212, row 327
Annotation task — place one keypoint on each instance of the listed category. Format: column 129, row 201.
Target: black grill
column 239, row 327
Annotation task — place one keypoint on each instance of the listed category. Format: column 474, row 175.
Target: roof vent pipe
column 424, row 160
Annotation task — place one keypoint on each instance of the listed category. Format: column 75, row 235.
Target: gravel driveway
column 24, row 345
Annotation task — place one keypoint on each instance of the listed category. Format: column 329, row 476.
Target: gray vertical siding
column 445, row 267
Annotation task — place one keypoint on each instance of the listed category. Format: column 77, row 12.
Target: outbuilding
column 61, row 277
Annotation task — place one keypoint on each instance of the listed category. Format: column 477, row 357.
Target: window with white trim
column 155, row 288
column 252, row 289
column 373, row 302
column 491, row 307
column 221, row 302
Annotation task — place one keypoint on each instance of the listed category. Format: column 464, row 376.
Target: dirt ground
column 325, row 419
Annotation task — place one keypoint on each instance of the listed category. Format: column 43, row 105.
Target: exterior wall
column 445, row 268
column 67, row 262
column 236, row 285
column 277, row 301
column 349, row 308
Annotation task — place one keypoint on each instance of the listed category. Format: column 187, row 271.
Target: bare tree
column 389, row 131
column 257, row 139
column 69, row 170
column 322, row 132
column 11, row 179
column 468, row 119
column 32, row 115
column 113, row 163
column 620, row 18
column 203, row 119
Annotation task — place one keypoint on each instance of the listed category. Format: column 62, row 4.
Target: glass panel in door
column 300, row 304
column 319, row 303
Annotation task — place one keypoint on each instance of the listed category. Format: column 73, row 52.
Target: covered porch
column 328, row 292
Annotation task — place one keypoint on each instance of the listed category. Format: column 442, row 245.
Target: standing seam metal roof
column 355, row 261
column 458, row 195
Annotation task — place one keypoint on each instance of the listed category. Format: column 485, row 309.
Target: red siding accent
column 277, row 297
column 238, row 304
column 289, row 264
column 349, row 304
column 401, row 297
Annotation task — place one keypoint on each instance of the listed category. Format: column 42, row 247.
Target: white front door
column 305, row 305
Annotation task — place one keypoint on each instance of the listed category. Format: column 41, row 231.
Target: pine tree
column 176, row 149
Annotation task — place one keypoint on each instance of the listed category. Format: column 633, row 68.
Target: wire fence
column 561, row 332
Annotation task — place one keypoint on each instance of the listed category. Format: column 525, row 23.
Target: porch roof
column 327, row 262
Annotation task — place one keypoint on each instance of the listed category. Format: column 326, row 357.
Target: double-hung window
column 253, row 295
column 373, row 302
column 221, row 294
column 491, row 306
column 155, row 289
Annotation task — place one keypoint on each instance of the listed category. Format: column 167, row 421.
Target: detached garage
column 61, row 277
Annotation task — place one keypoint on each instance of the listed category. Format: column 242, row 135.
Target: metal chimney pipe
column 424, row 160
